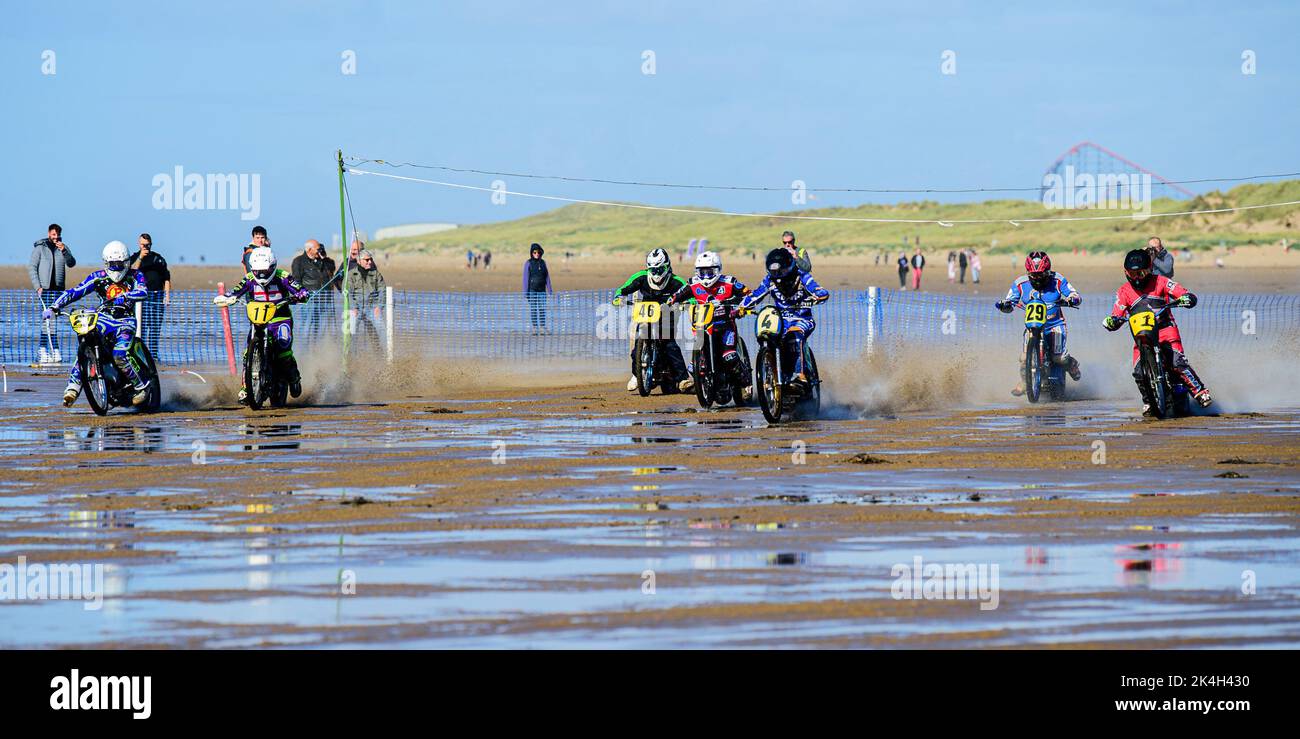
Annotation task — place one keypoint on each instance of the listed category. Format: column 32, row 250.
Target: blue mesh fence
column 189, row 330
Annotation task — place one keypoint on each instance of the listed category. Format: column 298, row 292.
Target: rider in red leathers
column 1142, row 283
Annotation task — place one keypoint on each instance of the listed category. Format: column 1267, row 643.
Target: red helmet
column 1038, row 263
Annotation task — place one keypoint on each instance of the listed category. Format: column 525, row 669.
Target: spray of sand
column 369, row 378
column 897, row 378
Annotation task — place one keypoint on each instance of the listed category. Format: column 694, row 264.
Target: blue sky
column 832, row 93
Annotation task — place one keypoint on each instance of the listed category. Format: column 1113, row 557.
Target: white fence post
column 873, row 303
column 388, row 320
column 139, row 313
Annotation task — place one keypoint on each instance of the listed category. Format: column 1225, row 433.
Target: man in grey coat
column 48, row 269
column 1162, row 262
column 366, row 296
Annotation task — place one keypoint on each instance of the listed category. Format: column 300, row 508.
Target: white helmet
column 115, row 260
column 261, row 262
column 658, row 268
column 708, row 268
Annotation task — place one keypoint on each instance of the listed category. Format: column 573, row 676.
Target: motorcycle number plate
column 1036, row 313
column 260, row 313
column 769, row 322
column 83, row 322
column 1140, row 323
column 701, row 314
column 646, row 312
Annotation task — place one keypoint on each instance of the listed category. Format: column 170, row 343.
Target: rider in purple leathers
column 264, row 283
column 119, row 288
column 789, row 287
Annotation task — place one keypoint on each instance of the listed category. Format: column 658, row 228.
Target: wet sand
column 569, row 515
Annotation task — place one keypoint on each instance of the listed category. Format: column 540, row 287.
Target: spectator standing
column 469, row 258
column 260, row 238
column 48, row 270
column 903, row 269
column 537, row 285
column 366, row 296
column 952, row 267
column 801, row 258
column 314, row 270
column 158, row 281
column 961, row 267
column 1162, row 262
column 975, row 266
column 487, row 259
column 918, row 264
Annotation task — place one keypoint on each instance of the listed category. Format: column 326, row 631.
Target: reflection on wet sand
column 526, row 521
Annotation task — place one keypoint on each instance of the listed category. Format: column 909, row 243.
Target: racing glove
column 1187, row 300
column 1111, row 323
column 1003, row 306
column 47, row 314
column 224, row 300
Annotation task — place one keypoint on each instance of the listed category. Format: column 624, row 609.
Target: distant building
column 412, row 229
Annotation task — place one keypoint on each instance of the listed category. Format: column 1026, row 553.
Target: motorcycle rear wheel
column 811, row 404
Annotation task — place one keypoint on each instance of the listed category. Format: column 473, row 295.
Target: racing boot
column 1072, row 368
column 243, row 396
column 70, row 394
column 141, row 394
column 687, row 385
column 291, row 371
column 1147, row 401
column 1193, row 382
column 1202, row 397
column 631, row 384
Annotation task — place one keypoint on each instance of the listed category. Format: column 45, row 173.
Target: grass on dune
column 605, row 229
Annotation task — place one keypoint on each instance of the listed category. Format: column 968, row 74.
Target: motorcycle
column 713, row 383
column 1040, row 371
column 1171, row 397
column 650, row 368
column 262, row 379
column 104, row 385
column 779, row 396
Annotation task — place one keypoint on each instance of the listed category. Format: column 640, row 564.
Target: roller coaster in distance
column 1086, row 157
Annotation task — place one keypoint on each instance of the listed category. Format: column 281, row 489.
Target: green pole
column 343, row 226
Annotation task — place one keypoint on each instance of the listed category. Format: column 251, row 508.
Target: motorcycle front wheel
column 1033, row 368
column 93, row 382
column 768, row 385
column 257, row 374
column 644, row 367
column 1155, row 378
column 703, row 378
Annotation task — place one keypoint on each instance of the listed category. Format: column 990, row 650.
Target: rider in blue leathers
column 789, row 286
column 1041, row 283
column 119, row 288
